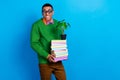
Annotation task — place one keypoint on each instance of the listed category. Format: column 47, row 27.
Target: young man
column 43, row 31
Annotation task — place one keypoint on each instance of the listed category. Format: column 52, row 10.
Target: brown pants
column 56, row 68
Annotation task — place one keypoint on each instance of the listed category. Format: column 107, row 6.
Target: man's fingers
column 53, row 55
column 51, row 58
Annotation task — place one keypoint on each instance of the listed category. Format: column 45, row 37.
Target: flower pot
column 63, row 36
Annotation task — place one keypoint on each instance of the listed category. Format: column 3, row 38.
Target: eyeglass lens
column 48, row 11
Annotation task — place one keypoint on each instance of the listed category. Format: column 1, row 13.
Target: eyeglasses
column 49, row 11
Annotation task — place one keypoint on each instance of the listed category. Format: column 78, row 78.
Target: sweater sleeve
column 35, row 43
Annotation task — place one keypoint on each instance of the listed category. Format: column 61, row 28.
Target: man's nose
column 47, row 13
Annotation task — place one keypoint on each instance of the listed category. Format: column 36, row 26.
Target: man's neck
column 48, row 21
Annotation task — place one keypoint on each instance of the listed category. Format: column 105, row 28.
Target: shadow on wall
column 26, row 62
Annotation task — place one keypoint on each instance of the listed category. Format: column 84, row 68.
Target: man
column 43, row 31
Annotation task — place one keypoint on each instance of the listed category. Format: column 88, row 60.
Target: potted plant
column 62, row 26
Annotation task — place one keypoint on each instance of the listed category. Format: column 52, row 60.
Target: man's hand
column 51, row 57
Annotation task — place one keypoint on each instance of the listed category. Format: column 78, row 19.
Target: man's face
column 47, row 13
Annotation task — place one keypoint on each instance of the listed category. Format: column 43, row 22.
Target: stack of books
column 60, row 49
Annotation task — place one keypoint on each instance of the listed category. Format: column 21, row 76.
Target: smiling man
column 43, row 31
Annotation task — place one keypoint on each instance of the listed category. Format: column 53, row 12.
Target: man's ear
column 42, row 13
column 53, row 13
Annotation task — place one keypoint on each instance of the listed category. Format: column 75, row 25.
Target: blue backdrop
column 93, row 38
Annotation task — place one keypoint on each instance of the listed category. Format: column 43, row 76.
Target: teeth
column 47, row 16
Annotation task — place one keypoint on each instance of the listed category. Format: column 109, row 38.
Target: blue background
column 93, row 38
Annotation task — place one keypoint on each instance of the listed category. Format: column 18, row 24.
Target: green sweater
column 41, row 36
